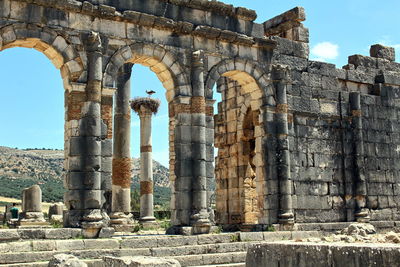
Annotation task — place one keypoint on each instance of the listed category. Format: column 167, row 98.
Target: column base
column 201, row 223
column 32, row 217
column 362, row 216
column 148, row 222
column 286, row 218
column 202, row 229
column 91, row 229
column 122, row 222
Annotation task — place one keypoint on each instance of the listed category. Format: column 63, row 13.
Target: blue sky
column 32, row 97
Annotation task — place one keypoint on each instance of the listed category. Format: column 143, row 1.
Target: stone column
column 360, row 193
column 145, row 107
column 200, row 216
column 121, row 170
column 32, row 205
column 56, row 209
column 84, row 198
column 281, row 80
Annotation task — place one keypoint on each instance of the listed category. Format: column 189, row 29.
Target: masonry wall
column 324, row 157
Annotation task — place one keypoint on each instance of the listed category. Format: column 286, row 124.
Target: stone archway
column 250, row 205
column 162, row 62
column 57, row 49
column 84, row 200
column 171, row 74
column 241, row 135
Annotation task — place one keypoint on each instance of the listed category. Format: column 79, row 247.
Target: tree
column 135, row 200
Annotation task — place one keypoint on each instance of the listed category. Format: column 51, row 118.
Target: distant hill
column 20, row 168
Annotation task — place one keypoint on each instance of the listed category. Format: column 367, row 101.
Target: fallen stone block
column 65, row 260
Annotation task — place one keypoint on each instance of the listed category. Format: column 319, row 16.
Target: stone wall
column 311, row 254
column 343, row 159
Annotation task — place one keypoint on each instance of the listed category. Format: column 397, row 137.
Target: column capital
column 198, row 58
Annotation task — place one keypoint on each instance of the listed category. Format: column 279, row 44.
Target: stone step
column 97, row 253
column 161, row 241
column 233, row 259
column 188, row 249
column 212, row 259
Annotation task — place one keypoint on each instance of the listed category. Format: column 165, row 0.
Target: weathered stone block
column 385, row 52
column 63, row 260
column 140, row 261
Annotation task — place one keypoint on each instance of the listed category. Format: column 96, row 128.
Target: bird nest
column 147, row 102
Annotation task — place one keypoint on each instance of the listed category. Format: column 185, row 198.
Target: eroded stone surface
column 65, row 260
column 140, row 261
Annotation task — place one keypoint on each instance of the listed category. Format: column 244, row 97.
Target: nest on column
column 146, row 102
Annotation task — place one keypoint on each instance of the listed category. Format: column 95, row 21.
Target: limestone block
column 46, row 245
column 385, row 52
column 32, row 233
column 8, row 35
column 9, row 234
column 106, row 232
column 5, row 7
column 140, row 261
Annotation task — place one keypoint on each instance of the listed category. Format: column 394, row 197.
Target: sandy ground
column 45, row 205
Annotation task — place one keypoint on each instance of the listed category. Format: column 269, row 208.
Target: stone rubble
column 65, row 260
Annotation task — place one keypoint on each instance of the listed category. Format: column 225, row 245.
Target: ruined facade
column 298, row 140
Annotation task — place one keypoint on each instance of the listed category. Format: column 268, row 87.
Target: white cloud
column 325, row 51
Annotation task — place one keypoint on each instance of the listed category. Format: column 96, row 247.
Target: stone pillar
column 107, row 113
column 190, row 214
column 56, row 212
column 179, row 111
column 145, row 107
column 32, row 205
column 84, row 198
column 281, row 81
column 56, row 209
column 200, row 216
column 121, row 170
column 360, row 193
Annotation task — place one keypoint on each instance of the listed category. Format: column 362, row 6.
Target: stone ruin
column 298, row 141
column 31, row 206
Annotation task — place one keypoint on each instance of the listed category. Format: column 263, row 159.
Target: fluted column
column 145, row 107
column 121, row 171
column 281, row 80
column 360, row 194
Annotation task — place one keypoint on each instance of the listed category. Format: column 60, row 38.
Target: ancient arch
column 57, row 49
column 162, row 62
column 240, row 164
column 247, row 73
column 166, row 66
column 72, row 64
